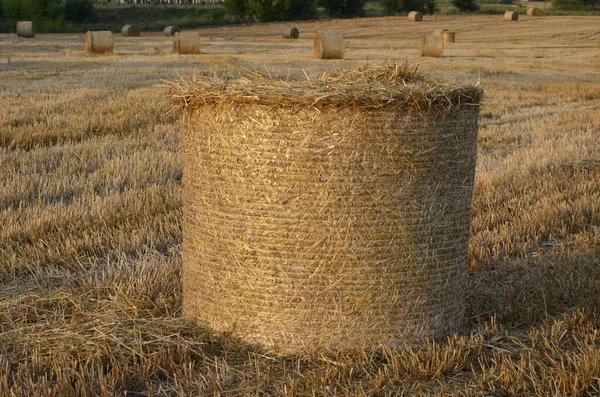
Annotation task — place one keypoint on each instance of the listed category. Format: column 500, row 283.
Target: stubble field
column 90, row 217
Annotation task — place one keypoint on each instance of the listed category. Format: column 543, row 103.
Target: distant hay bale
column 130, row 31
column 415, row 16
column 327, row 212
column 432, row 46
column 447, row 36
column 328, row 45
column 100, row 42
column 186, row 43
column 511, row 16
column 290, row 33
column 25, row 29
column 534, row 12
column 171, row 30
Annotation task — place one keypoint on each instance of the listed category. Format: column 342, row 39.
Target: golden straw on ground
column 328, row 45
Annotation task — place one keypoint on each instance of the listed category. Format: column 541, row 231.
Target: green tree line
column 44, row 10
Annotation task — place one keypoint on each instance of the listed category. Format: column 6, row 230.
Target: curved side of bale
column 130, row 31
column 328, row 45
column 171, row 30
column 432, row 46
column 25, row 29
column 511, row 16
column 100, row 42
column 534, row 12
column 290, row 33
column 415, row 16
column 186, row 43
column 345, row 226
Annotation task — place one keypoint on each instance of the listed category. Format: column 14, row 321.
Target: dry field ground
column 90, row 215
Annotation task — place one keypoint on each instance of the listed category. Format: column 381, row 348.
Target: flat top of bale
column 395, row 86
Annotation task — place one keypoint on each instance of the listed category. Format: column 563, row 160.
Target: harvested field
column 90, row 207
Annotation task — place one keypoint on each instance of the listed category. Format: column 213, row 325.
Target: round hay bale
column 171, row 30
column 25, row 29
column 100, row 42
column 447, row 36
column 511, row 16
column 432, row 46
column 328, row 45
column 130, row 31
column 534, row 12
column 186, row 43
column 415, row 16
column 332, row 213
column 290, row 33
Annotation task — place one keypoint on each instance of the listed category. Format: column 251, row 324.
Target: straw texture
column 328, row 45
column 446, row 35
column 329, row 213
column 534, row 12
column 186, row 43
column 511, row 16
column 290, row 33
column 415, row 16
column 171, row 30
column 130, row 31
column 432, row 46
column 25, row 29
column 100, row 42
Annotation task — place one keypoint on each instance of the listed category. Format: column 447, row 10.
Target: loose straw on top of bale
column 290, row 33
column 415, row 16
column 329, row 211
column 171, row 30
column 25, row 29
column 328, row 45
column 186, row 43
column 100, row 42
column 534, row 12
column 130, row 31
column 432, row 46
column 511, row 16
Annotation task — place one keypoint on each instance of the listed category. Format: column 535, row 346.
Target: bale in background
column 432, row 46
column 327, row 212
column 171, row 30
column 130, row 31
column 511, row 16
column 328, row 45
column 186, row 43
column 290, row 33
column 447, row 36
column 415, row 16
column 534, row 12
column 25, row 29
column 100, row 42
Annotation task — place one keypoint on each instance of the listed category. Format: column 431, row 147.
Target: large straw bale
column 290, row 33
column 130, row 31
column 100, row 42
column 25, row 29
column 446, row 35
column 432, row 46
column 534, row 12
column 327, row 213
column 415, row 16
column 511, row 16
column 171, row 30
column 328, row 45
column 187, row 43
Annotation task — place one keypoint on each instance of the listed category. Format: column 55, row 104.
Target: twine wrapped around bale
column 100, row 42
column 511, row 16
column 186, row 43
column 432, row 46
column 327, row 213
column 534, row 12
column 290, row 33
column 328, row 45
column 447, row 36
column 130, row 31
column 25, row 29
column 171, row 30
column 415, row 16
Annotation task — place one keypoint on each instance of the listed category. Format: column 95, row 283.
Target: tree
column 466, row 5
column 399, row 6
column 78, row 10
column 239, row 8
column 271, row 10
column 343, row 8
